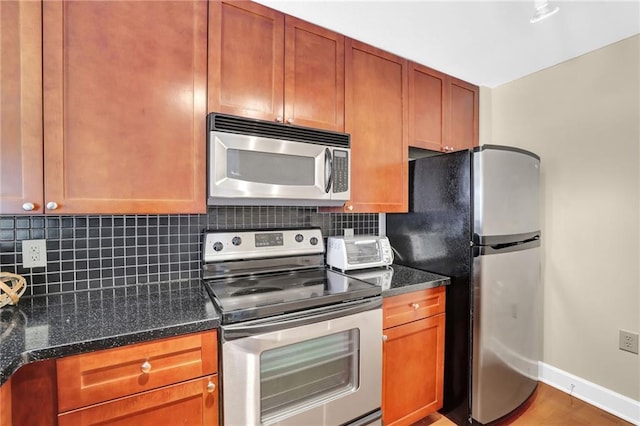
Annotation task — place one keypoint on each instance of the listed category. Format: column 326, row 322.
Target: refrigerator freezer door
column 506, row 186
column 506, row 331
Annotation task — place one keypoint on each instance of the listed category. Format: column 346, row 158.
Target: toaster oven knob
column 313, row 241
column 299, row 238
column 236, row 241
column 217, row 246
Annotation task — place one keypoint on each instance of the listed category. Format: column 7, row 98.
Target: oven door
column 273, row 171
column 322, row 369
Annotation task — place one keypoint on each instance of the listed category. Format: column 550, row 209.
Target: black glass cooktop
column 258, row 296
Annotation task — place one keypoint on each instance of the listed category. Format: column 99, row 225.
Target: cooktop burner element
column 255, row 274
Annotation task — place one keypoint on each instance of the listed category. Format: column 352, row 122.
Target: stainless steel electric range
column 301, row 344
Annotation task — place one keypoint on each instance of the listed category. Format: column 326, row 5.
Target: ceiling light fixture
column 544, row 9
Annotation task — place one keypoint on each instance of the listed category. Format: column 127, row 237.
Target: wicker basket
column 12, row 286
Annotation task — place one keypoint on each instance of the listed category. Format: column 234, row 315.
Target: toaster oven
column 358, row 252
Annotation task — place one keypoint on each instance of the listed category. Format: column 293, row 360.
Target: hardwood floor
column 548, row 407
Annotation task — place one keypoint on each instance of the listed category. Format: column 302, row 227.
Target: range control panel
column 236, row 245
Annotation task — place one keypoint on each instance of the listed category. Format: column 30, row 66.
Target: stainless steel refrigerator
column 474, row 216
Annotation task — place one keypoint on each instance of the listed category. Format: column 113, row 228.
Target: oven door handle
column 297, row 319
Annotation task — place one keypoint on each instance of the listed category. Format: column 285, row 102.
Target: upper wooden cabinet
column 124, row 106
column 20, row 106
column 464, row 113
column 443, row 111
column 263, row 64
column 376, row 117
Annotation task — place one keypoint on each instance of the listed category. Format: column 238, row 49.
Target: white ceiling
column 487, row 43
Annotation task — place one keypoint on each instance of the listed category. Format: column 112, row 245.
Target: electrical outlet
column 629, row 341
column 34, row 253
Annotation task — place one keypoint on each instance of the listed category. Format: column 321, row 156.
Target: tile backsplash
column 85, row 252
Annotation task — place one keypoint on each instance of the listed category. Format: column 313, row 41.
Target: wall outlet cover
column 34, row 253
column 628, row 341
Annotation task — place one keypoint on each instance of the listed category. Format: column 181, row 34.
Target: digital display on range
column 269, row 240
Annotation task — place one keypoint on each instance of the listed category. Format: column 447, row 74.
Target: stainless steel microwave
column 255, row 162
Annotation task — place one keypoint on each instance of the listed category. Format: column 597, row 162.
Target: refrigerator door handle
column 492, row 240
column 506, row 247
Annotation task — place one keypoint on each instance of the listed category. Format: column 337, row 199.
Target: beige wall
column 583, row 118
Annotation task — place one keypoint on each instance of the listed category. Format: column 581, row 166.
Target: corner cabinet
column 267, row 65
column 443, row 111
column 413, row 356
column 124, row 105
column 376, row 118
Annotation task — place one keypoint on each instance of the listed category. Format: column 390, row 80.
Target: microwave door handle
column 328, row 170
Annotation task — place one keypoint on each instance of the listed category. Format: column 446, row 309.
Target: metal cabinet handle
column 350, row 207
column 211, row 386
column 52, row 205
column 384, row 337
column 28, row 207
column 145, row 367
column 290, row 120
column 415, row 306
column 279, row 119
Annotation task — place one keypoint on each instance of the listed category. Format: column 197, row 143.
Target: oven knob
column 313, row 241
column 299, row 238
column 217, row 246
column 236, row 241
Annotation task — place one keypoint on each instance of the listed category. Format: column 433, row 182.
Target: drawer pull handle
column 145, row 367
column 415, row 306
column 384, row 337
column 211, row 387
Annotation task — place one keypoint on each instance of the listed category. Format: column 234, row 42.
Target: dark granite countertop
column 400, row 279
column 52, row 326
column 406, row 280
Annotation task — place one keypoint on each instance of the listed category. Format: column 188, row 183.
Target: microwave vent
column 267, row 129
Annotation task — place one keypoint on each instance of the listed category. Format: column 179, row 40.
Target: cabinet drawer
column 412, row 306
column 189, row 403
column 102, row 375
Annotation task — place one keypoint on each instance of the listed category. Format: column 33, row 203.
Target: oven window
column 308, row 372
column 270, row 168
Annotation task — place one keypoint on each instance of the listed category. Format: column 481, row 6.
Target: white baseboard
column 596, row 395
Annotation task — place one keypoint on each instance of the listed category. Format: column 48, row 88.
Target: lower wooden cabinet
column 194, row 402
column 171, row 381
column 413, row 360
column 5, row 404
column 99, row 376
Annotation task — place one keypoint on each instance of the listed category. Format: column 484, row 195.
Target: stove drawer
column 103, row 375
column 412, row 306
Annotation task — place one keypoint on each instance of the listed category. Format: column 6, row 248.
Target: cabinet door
column 246, row 60
column 428, row 90
column 314, row 76
column 190, row 403
column 125, row 106
column 33, row 394
column 5, row 404
column 20, row 106
column 464, row 115
column 413, row 370
column 376, row 116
